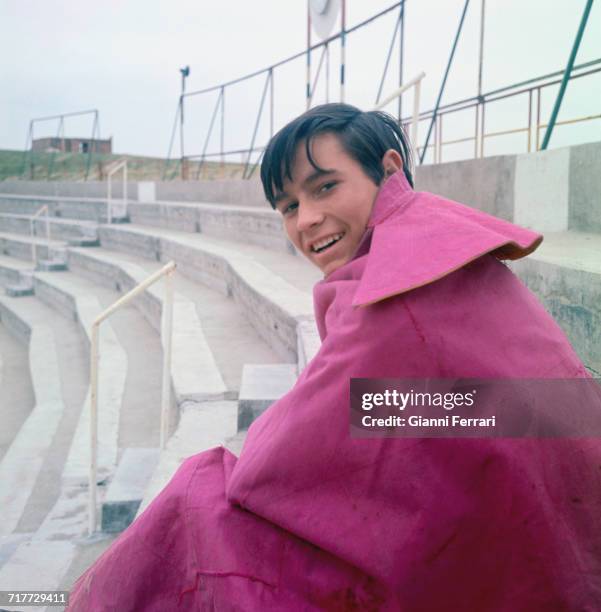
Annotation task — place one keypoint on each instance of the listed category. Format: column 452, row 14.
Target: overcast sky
column 123, row 58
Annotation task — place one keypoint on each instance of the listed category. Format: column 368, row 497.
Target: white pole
column 164, row 271
column 108, row 201
column 167, row 328
column 414, row 120
column 124, row 187
column 31, row 233
column 93, row 428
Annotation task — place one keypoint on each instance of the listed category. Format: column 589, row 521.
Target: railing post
column 167, row 328
column 93, row 427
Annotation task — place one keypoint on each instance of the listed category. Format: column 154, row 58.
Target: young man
column 309, row 518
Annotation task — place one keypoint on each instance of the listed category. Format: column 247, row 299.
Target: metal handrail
column 109, row 200
column 34, row 251
column 166, row 331
column 414, row 82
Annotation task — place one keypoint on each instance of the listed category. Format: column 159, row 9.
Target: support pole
column 567, row 74
column 308, row 83
column 444, row 81
column 480, row 64
column 167, row 338
column 401, row 46
column 342, row 50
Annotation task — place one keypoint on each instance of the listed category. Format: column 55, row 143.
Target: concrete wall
column 232, row 191
column 585, row 187
column 550, row 190
column 485, row 183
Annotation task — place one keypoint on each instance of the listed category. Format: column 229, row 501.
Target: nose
column 309, row 215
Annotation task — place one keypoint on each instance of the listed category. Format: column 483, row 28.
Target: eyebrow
column 314, row 176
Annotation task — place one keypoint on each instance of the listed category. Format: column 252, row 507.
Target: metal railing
column 166, row 334
column 119, row 165
column 253, row 152
column 534, row 124
column 28, row 154
column 32, row 220
column 397, row 93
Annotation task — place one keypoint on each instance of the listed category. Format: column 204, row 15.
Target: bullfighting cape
column 309, row 518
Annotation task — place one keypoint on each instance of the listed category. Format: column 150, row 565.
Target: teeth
column 318, row 246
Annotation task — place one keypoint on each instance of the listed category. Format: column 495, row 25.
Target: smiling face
column 326, row 211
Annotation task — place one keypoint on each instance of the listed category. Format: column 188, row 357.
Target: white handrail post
column 167, row 328
column 47, row 225
column 108, row 199
column 125, row 186
column 93, row 427
column 415, row 119
column 415, row 82
column 32, row 235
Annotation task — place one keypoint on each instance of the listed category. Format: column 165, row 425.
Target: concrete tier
column 565, row 274
column 24, row 458
column 59, row 229
column 273, row 290
column 27, row 248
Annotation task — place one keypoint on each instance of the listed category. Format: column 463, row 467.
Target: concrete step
column 194, row 372
column 262, row 385
column 565, row 274
column 58, row 229
column 223, row 321
column 17, row 398
column 201, row 426
column 244, row 224
column 274, row 305
column 12, row 270
column 78, row 301
column 80, row 208
column 24, row 458
column 31, row 249
column 36, row 566
column 126, row 490
column 50, row 265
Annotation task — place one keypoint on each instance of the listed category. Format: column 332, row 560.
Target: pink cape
column 309, row 518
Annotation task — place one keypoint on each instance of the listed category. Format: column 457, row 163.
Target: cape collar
column 415, row 238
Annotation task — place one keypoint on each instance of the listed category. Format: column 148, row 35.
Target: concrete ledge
column 20, row 247
column 14, row 272
column 273, row 305
column 60, row 292
column 126, row 490
column 194, row 373
column 585, row 187
column 62, row 229
column 202, row 426
column 22, row 462
column 262, row 385
column 573, row 298
column 90, row 209
column 237, row 223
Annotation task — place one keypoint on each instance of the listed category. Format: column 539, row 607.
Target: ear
column 391, row 162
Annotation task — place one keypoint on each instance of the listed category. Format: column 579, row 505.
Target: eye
column 327, row 187
column 288, row 209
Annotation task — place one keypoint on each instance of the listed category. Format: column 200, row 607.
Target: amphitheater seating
column 243, row 329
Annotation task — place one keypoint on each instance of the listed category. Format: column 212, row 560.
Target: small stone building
column 72, row 145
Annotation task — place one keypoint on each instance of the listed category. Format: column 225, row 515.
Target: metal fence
column 434, row 119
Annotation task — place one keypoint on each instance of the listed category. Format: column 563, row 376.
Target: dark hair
column 365, row 136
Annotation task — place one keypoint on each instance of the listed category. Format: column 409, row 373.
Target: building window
column 83, row 147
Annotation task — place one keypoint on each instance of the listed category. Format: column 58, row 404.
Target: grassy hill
column 73, row 167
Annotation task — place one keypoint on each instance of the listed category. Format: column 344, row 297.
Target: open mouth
column 322, row 245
